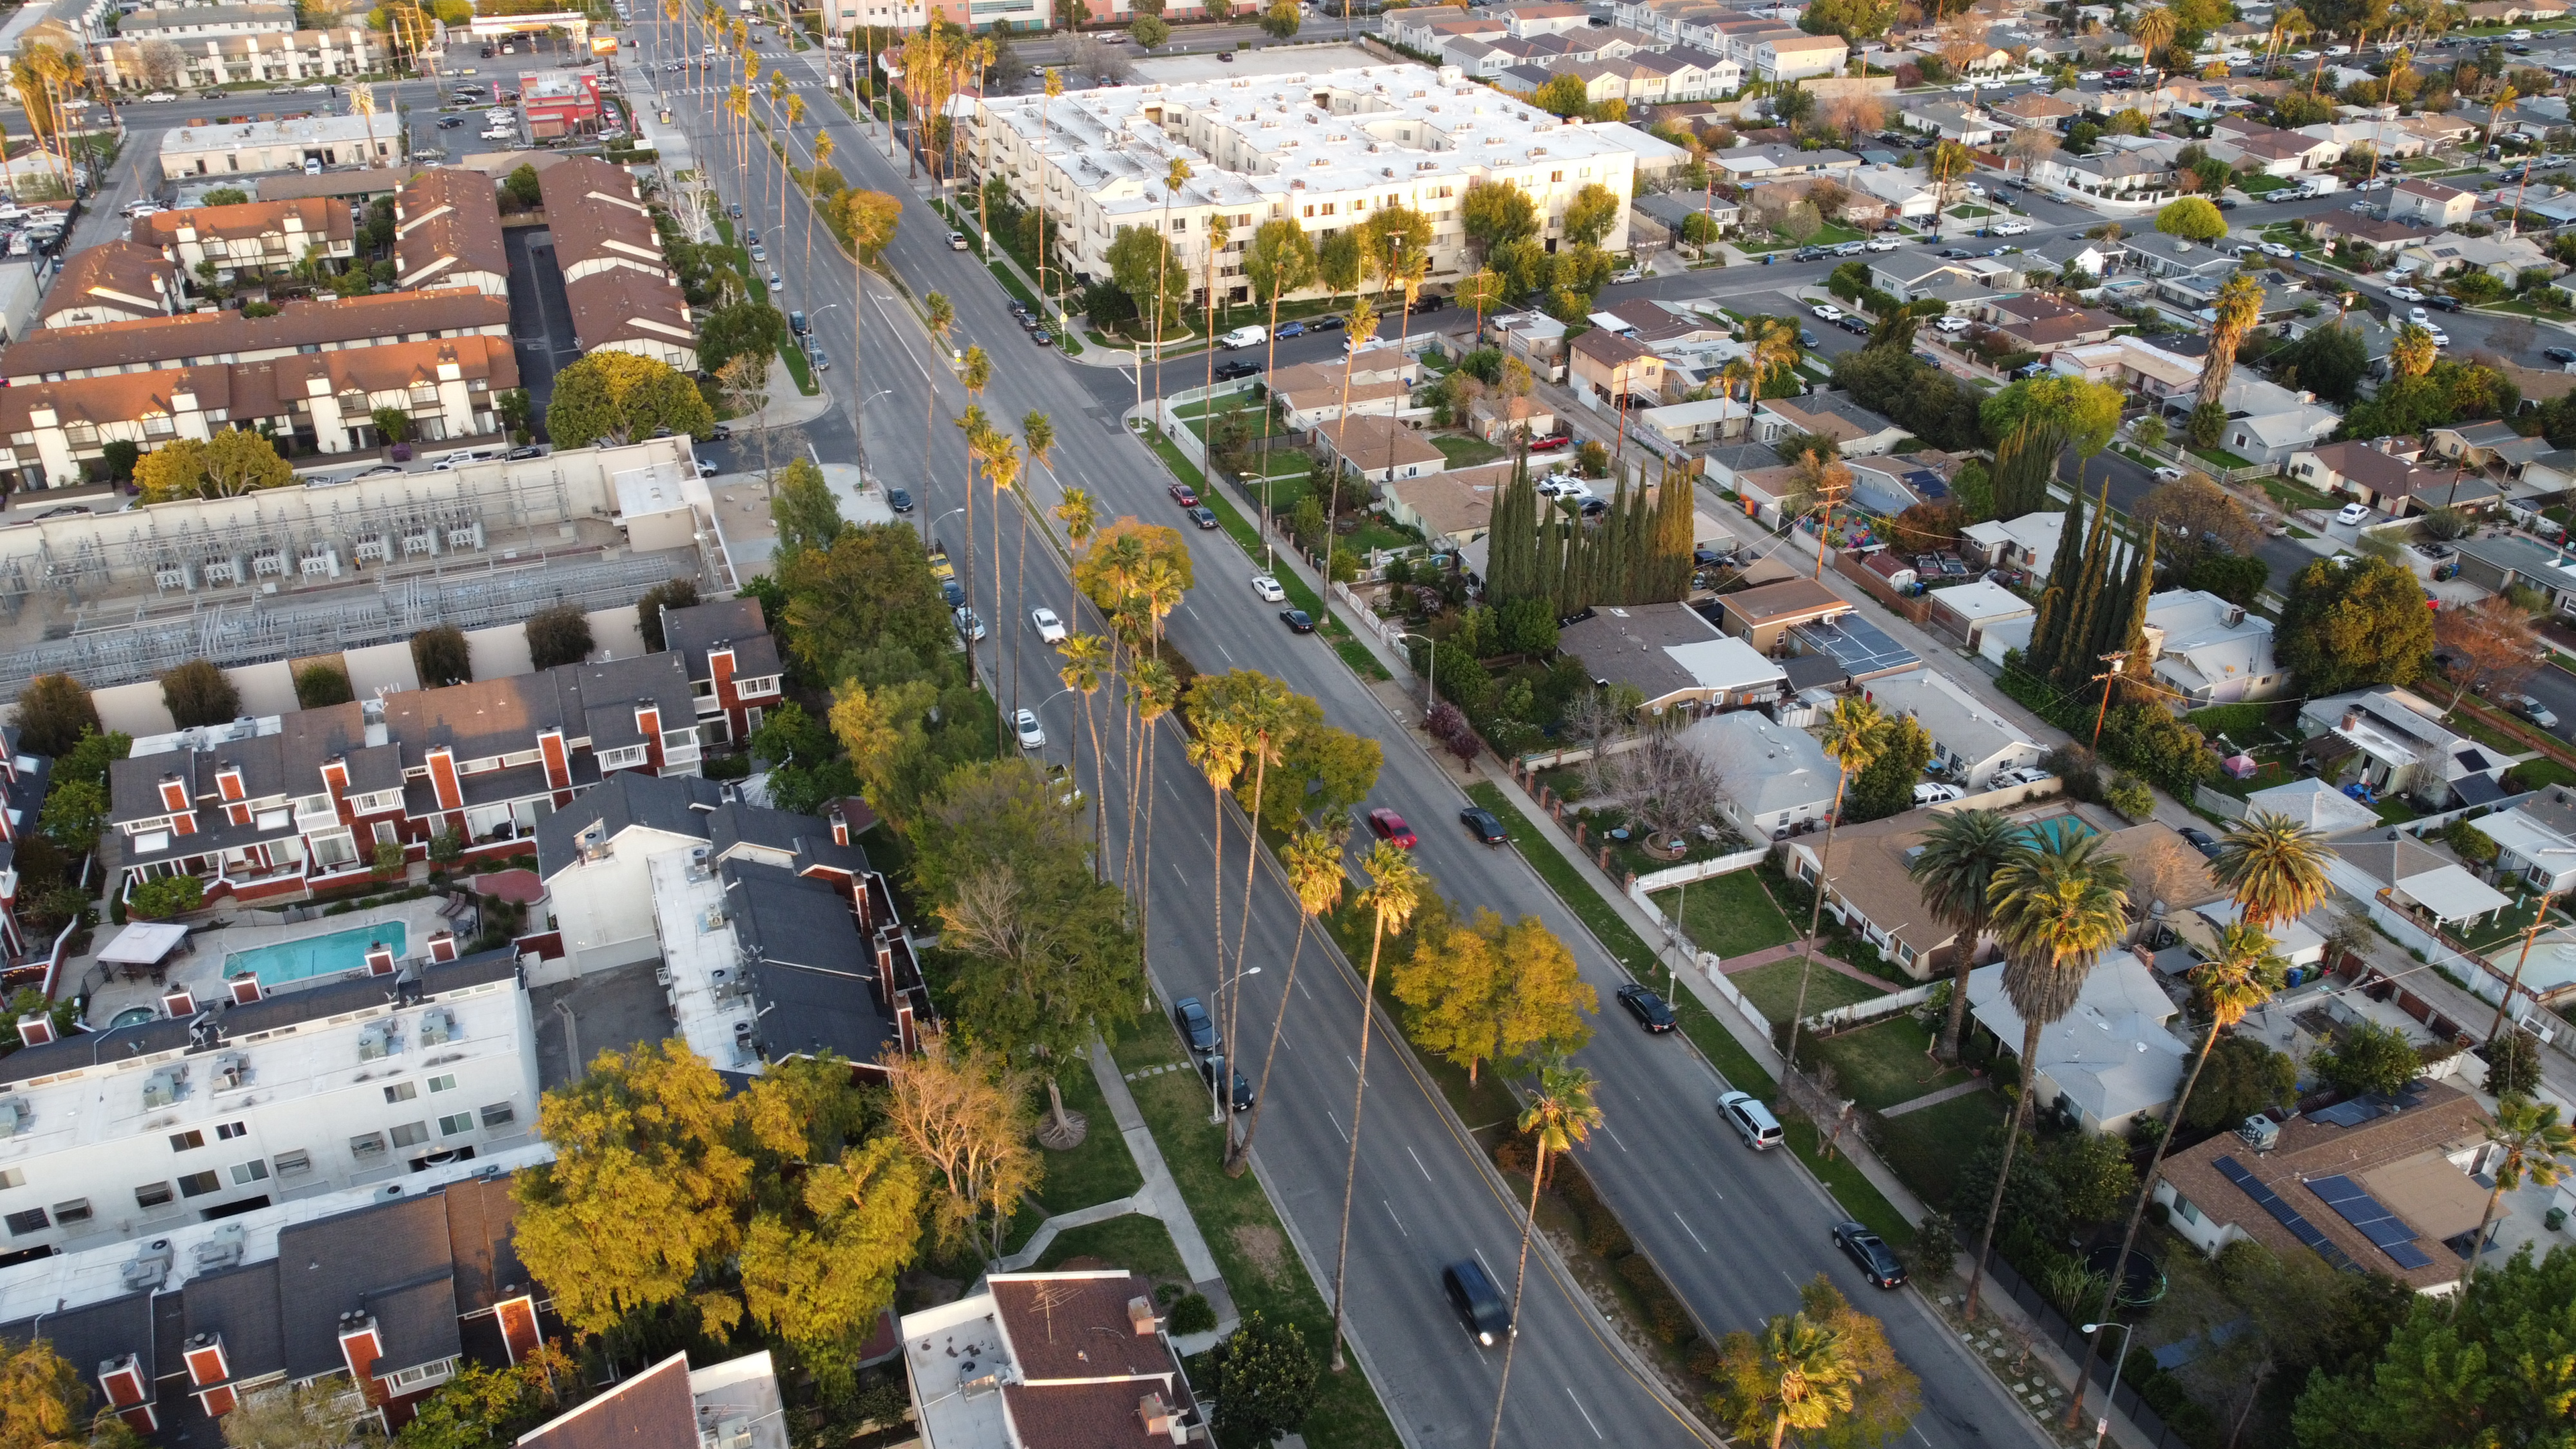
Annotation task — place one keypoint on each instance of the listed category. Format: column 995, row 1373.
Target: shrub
column 560, row 635
column 166, row 896
column 318, row 686
column 2513, row 1065
column 446, row 847
column 2130, row 796
column 388, row 859
column 197, row 693
column 442, row 657
column 1936, row 1247
column 1192, row 1314
column 677, row 594
column 53, row 713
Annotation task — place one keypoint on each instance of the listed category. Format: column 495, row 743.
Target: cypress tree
column 2132, row 639
column 2050, row 623
column 1547, row 567
column 2075, row 658
column 1511, row 549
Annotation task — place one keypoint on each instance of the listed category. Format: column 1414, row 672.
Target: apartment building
column 325, row 401
column 1322, row 150
column 247, row 148
column 389, row 1292
column 250, row 237
column 1076, row 1357
column 447, row 233
column 271, row 56
column 191, row 22
column 219, row 1106
column 275, row 806
column 616, row 280
column 24, row 779
column 732, row 664
column 732, row 1405
column 112, row 282
column 300, row 329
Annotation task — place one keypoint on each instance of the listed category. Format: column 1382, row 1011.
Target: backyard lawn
column 1098, row 1171
column 1135, row 1242
column 1729, row 914
column 1887, row 1062
column 1465, row 452
column 1927, row 1148
column 1773, row 989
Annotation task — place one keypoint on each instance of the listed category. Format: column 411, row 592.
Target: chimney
column 380, row 959
column 1159, row 1418
column 1140, row 1315
column 2351, row 719
column 442, row 947
column 179, row 1003
column 35, row 1029
column 245, row 989
column 840, row 827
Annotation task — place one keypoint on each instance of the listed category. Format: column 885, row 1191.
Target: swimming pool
column 2058, row 830
column 312, row 956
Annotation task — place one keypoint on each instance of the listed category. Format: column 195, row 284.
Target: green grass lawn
column 1926, row 1149
column 1101, row 1169
column 1465, row 452
column 1731, row 915
column 2484, row 935
column 2220, row 457
column 1971, row 212
column 2418, row 165
column 1773, row 989
column 1887, row 1062
column 2291, row 496
column 2262, row 185
column 2468, row 723
column 1137, row 1243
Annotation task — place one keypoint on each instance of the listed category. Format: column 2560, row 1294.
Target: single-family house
column 2028, row 543
column 1826, row 415
column 2036, row 110
column 1967, row 124
column 1674, row 656
column 1696, row 424
column 2046, row 326
column 2159, row 255
column 2313, row 804
column 2415, row 893
column 1379, row 449
column 1796, row 57
column 1775, row 776
column 1748, row 164
column 2382, row 236
column 2536, row 839
column 2269, row 150
column 1533, row 337
column 1963, row 613
column 1970, row 740
column 2208, row 651
column 1904, row 191
column 2503, row 561
column 2103, row 1065
column 2430, row 203
column 1452, row 509
column 2391, row 740
column 2137, row 173
column 2385, row 474
column 1761, row 616
column 2504, row 258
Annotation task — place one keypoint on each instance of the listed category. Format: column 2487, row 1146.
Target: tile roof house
column 2380, row 1186
column 1066, row 1360
column 249, row 236
column 1673, row 656
column 1775, row 775
column 2385, row 474
column 601, row 227
column 2110, row 1059
column 115, row 281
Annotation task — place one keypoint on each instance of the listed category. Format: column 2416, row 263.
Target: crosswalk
column 815, row 87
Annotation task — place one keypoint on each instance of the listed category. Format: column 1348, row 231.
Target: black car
column 1478, row 1303
column 954, row 592
column 2201, row 840
column 1229, row 371
column 899, row 499
column 1330, row 322
column 1211, row 1067
column 2559, row 354
column 1197, row 1027
column 1427, row 304
column 1877, row 1261
column 1487, row 827
column 1203, row 516
column 2443, row 304
column 1648, row 1007
column 1042, row 337
column 1958, row 254
column 1297, row 620
column 529, row 450
column 720, row 434
column 2225, row 205
column 1850, row 323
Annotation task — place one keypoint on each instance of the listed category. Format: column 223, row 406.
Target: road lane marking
column 1390, row 1212
column 1614, row 1137
column 1337, row 1124
column 1686, row 1227
column 1586, row 1413
column 1417, row 1162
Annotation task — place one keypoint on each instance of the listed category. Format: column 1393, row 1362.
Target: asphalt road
column 1736, row 1232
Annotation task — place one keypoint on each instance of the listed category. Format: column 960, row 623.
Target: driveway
column 540, row 315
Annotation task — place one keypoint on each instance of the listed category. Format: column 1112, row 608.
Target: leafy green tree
column 745, row 329
column 1150, row 31
column 120, row 456
column 1495, row 214
column 392, row 424
column 2458, row 1372
column 1851, row 19
column 440, row 655
column 1133, row 255
column 672, row 594
column 198, row 693
column 225, row 196
column 1886, row 785
column 1280, row 21
column 164, row 896
column 2237, row 578
column 560, row 635
column 618, row 397
column 483, row 1406
column 2094, row 1178
column 819, row 1261
column 523, row 187
column 75, row 812
column 516, row 411
column 2243, row 1077
column 2329, row 361
column 1562, row 96
column 1265, row 1382
column 804, row 510
column 2359, row 622
column 2367, row 1058
column 321, row 685
column 54, row 713
column 1590, row 215
column 91, row 755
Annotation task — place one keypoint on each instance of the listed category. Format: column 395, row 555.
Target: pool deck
column 201, row 969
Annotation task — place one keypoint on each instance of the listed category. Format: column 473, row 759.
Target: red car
column 1390, row 827
column 1550, row 444
column 1182, row 495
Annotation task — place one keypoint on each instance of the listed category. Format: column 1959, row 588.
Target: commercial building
column 447, row 233
column 248, row 147
column 248, row 50
column 557, row 103
column 253, row 236
column 188, row 22
column 1041, row 1360
column 616, row 279
column 1321, row 150
column 300, row 329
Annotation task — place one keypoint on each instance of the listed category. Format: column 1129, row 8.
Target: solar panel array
column 2388, row 1232
column 2288, row 1216
column 2346, row 1114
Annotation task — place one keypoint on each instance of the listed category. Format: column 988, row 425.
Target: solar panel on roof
column 2346, row 1114
column 2407, row 1255
column 2288, row 1216
column 2386, row 1230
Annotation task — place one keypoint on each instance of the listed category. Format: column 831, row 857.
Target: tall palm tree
column 938, row 315
column 1173, row 176
column 2152, row 28
column 1855, row 734
column 1560, row 1116
column 1002, row 464
column 976, row 375
column 1054, row 88
column 2242, row 976
column 1153, row 691
column 1158, row 593
column 1264, row 709
column 814, row 190
column 2237, row 307
column 1773, row 342
column 1217, row 235
column 1079, row 516
column 1280, row 260
column 1955, row 870
column 1394, row 890
column 1217, row 750
column 1314, row 866
column 2057, row 906
column 1362, row 330
column 1037, row 438
column 2535, row 1145
column 2274, row 866
column 1807, row 1376
column 1086, row 660
column 2411, row 354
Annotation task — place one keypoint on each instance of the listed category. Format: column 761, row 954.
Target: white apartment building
column 1322, row 150
column 219, row 1106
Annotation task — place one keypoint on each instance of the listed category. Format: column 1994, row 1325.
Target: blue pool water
column 2059, row 830
column 315, row 955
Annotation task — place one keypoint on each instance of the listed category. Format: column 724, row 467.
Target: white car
column 1050, row 628
column 1882, row 244
column 706, row 469
column 2168, row 475
column 1965, row 88
column 2275, row 249
column 1629, row 274
column 2406, row 294
column 1951, row 324
column 2418, row 316
column 2088, row 75
column 2009, row 228
column 2024, row 775
column 2353, row 513
column 1032, row 734
column 2305, row 55
column 1826, row 313
column 2347, row 50
column 2440, row 337
column 159, row 96
column 968, row 623
column 1934, row 792
column 1973, row 189
column 1267, row 590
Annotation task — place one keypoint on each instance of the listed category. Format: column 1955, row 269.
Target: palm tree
column 2056, row 906
column 2411, row 354
column 1217, row 234
column 2152, row 28
column 1280, row 260
column 1037, row 437
column 1362, row 329
column 2242, row 976
column 976, row 375
column 1956, row 871
column 814, row 189
column 2274, row 866
column 1807, row 1377
column 1178, row 172
column 1737, row 373
column 1263, row 709
column 2535, row 1145
column 1086, row 658
column 1153, row 691
column 1002, row 463
column 1855, row 734
column 938, row 315
column 1560, row 1116
column 2238, row 306
column 1394, row 889
column 1217, row 750
column 1314, row 866
column 1078, row 515
column 1773, row 342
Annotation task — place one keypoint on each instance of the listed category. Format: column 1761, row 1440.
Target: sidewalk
column 1159, row 1198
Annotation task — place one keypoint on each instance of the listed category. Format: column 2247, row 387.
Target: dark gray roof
column 25, row 794
column 379, row 1260
column 241, row 1305
column 814, row 976
column 693, row 631
column 499, row 787
column 288, row 762
column 505, row 716
column 652, row 1410
column 806, row 838
column 92, row 1334
column 480, row 1217
column 676, row 804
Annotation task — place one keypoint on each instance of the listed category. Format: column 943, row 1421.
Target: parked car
column 1390, row 827
column 1935, row 792
column 1751, row 1120
column 1267, row 589
column 1551, row 442
column 1877, row 1261
column 2200, row 840
column 1213, row 1067
column 1050, row 628
column 1331, row 322
column 2532, row 710
column 1650, row 1009
column 899, row 499
column 2559, row 354
column 957, row 241
column 1032, row 734
column 2020, row 777
column 2353, row 513
column 1230, row 371
column 1297, row 621
column 1184, row 495
column 1291, row 329
column 1197, row 1027
column 1486, row 825
column 1203, row 516
column 968, row 624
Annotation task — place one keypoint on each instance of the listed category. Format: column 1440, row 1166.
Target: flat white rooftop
column 709, row 989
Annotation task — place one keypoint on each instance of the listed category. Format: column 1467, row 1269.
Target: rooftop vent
column 150, row 1266
column 376, row 1042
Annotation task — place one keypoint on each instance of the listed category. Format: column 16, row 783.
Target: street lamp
column 1431, row 676
column 2102, row 1426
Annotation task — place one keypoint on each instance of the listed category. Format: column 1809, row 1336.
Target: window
column 186, row 1141
column 1556, row 176
column 457, row 1125
column 401, row 1092
column 198, row 1184
column 230, row 1130
column 444, row 1083
column 499, row 1114
column 368, row 1145
column 152, row 1194
column 246, row 1173
column 288, row 1164
column 75, row 1211
column 2185, row 1208
column 411, row 1134
column 33, row 1220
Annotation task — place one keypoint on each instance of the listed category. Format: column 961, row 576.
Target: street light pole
column 1431, row 675
column 2102, row 1426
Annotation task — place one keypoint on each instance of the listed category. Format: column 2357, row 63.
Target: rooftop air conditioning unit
column 375, row 1043
column 437, row 1026
column 222, row 1250
column 2260, row 1133
column 160, row 1089
column 149, row 1267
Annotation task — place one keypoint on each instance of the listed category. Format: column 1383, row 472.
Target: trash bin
column 2555, row 1218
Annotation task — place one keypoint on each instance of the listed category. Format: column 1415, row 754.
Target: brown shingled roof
column 228, row 334
column 119, row 268
column 622, row 304
column 314, row 216
column 249, row 391
column 447, row 221
column 593, row 211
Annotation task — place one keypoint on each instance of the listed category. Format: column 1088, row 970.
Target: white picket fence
column 1699, row 870
column 1872, row 1009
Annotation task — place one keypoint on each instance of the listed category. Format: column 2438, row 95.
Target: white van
column 1243, row 337
column 459, row 459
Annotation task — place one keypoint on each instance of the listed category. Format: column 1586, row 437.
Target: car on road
column 1330, row 322
column 1825, row 313
column 1648, row 1007
column 1551, row 442
column 1213, row 1067
column 1883, row 244
column 1032, row 734
column 1935, row 792
column 2440, row 337
column 67, row 510
column 1197, row 1027
column 378, row 471
column 1297, row 621
column 1957, row 254
column 1628, row 274
column 735, row 211
column 1751, row 1120
column 2008, row 228
column 899, row 499
column 1390, row 827
column 2168, row 474
column 822, row 360
column 759, row 253
column 1230, row 371
column 1041, row 337
column 1877, row 1261
column 2532, row 710
column 2406, row 294
column 1203, row 516
column 1486, row 825
column 1807, row 339
column 968, row 624
column 1050, row 628
column 2559, row 354
column 957, row 241
column 2200, row 840
column 2418, row 316
column 1291, row 329
column 2353, row 513
column 1850, row 323
column 1184, row 495
column 450, row 123
column 1266, row 589
column 954, row 592
column 1478, row 1303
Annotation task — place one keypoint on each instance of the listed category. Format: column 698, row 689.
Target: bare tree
column 162, row 61
column 2488, row 647
column 1668, row 786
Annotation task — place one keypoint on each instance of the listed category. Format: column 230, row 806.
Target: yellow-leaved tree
column 1479, row 991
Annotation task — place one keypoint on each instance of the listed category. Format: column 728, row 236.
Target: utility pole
column 2539, row 920
column 2114, row 661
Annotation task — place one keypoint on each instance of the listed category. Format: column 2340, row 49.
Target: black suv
column 1648, row 1007
column 1478, row 1302
column 1211, row 1067
column 1195, row 1024
column 1329, row 322
column 1229, row 371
